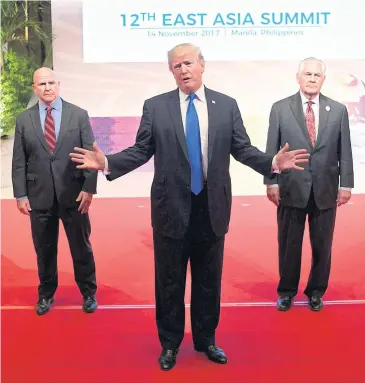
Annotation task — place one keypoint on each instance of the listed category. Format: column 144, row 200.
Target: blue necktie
column 194, row 146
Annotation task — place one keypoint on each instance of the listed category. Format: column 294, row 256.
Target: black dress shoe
column 284, row 303
column 167, row 359
column 43, row 305
column 90, row 304
column 315, row 303
column 214, row 353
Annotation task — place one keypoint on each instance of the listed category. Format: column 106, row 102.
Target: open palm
column 286, row 159
column 89, row 159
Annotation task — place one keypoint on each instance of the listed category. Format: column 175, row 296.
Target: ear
column 298, row 78
column 202, row 63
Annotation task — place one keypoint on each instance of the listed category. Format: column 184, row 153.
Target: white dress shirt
column 201, row 107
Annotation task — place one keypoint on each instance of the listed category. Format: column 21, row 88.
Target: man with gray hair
column 310, row 120
column 191, row 132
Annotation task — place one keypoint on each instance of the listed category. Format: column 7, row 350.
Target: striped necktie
column 311, row 122
column 49, row 130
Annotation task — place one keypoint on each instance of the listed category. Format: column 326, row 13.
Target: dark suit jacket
column 331, row 157
column 38, row 173
column 161, row 133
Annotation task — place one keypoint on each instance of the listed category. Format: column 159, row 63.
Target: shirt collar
column 57, row 103
column 200, row 94
column 315, row 100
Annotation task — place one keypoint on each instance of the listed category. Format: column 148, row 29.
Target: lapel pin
column 213, row 102
column 327, row 108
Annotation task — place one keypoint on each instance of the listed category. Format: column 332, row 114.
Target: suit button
column 188, row 187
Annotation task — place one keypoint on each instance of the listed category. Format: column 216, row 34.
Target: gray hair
column 301, row 64
column 171, row 52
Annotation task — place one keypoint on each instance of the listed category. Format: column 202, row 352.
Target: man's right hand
column 93, row 160
column 24, row 206
column 273, row 194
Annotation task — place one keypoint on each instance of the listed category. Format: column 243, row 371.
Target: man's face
column 311, row 78
column 187, row 69
column 45, row 86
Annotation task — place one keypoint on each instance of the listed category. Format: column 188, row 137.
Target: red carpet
column 119, row 345
column 114, row 346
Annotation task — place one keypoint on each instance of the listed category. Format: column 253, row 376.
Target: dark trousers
column 45, row 229
column 291, row 225
column 205, row 252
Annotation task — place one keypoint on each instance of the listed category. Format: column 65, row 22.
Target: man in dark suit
column 48, row 186
column 191, row 132
column 310, row 120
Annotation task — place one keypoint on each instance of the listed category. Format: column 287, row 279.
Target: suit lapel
column 213, row 117
column 297, row 109
column 323, row 117
column 175, row 114
column 65, row 123
column 36, row 122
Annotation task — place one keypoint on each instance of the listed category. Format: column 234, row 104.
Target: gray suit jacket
column 330, row 159
column 38, row 173
column 161, row 133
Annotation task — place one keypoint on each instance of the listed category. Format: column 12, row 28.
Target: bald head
column 42, row 72
column 45, row 85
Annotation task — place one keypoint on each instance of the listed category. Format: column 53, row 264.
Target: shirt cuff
column 106, row 171
column 275, row 168
column 347, row 189
column 20, row 198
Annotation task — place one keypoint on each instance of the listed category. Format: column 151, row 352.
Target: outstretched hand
column 286, row 159
column 93, row 160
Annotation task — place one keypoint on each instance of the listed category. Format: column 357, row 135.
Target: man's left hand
column 85, row 203
column 343, row 197
column 286, row 159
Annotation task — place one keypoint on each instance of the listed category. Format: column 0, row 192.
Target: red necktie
column 49, row 130
column 311, row 122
